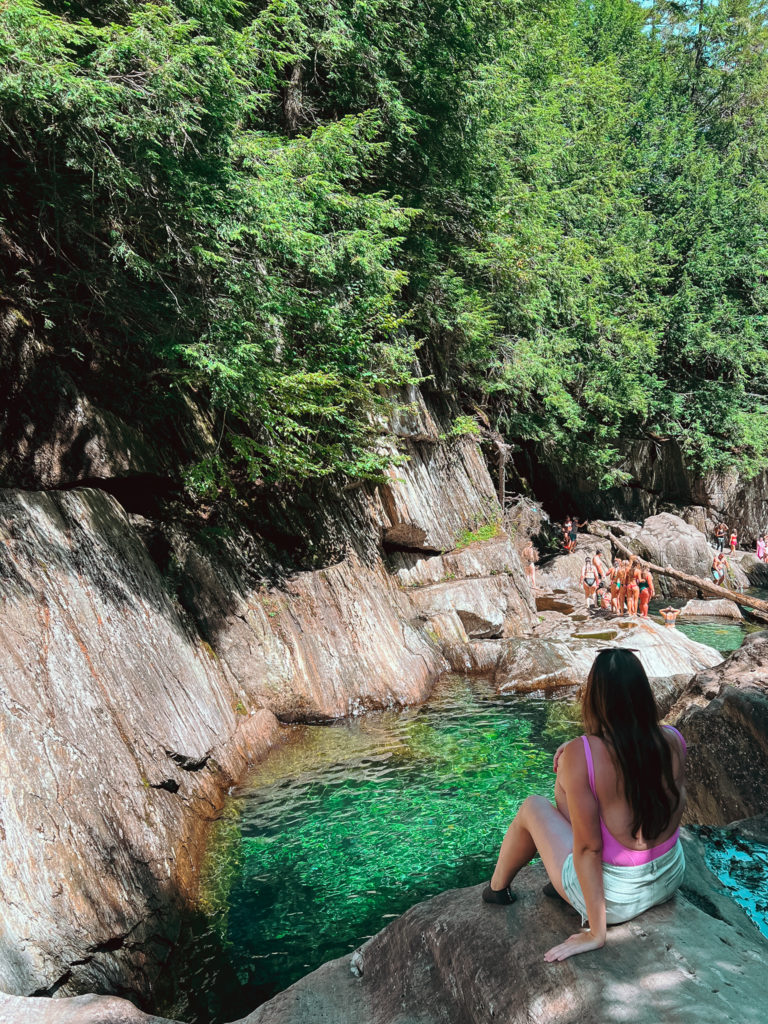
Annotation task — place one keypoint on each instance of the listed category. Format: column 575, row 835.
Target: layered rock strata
column 126, row 716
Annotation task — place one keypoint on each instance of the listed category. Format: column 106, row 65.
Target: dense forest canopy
column 556, row 209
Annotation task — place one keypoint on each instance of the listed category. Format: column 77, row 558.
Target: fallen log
column 760, row 608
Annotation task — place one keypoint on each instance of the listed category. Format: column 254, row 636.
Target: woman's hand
column 581, row 942
column 558, row 752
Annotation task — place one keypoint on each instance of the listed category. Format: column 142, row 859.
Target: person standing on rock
column 633, row 587
column 588, row 580
column 616, row 579
column 732, row 541
column 530, row 558
column 646, row 591
column 720, row 531
column 597, row 561
column 760, row 549
column 611, row 844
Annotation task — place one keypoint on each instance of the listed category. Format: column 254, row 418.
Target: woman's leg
column 538, row 827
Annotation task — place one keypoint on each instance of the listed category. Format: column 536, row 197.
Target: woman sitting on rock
column 611, row 844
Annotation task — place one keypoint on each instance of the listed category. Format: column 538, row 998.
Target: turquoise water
column 742, row 867
column 351, row 824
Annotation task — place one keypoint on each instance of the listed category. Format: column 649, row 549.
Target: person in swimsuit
column 633, row 589
column 611, row 844
column 530, row 558
column 567, row 542
column 588, row 580
column 646, row 591
column 669, row 615
column 616, row 573
column 732, row 540
column 597, row 561
column 760, row 550
column 718, row 568
column 720, row 531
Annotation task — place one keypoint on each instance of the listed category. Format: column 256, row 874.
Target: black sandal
column 503, row 896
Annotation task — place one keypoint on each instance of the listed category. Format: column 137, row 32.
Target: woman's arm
column 587, row 851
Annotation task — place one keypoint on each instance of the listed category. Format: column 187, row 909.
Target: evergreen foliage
column 561, row 206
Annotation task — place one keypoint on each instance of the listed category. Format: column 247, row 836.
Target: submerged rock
column 723, row 714
column 694, row 960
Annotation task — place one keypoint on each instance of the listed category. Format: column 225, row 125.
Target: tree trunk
column 707, row 586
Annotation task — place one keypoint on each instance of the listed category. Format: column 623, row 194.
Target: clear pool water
column 742, row 867
column 352, row 823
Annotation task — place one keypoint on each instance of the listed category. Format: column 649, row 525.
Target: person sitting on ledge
column 669, row 615
column 611, row 844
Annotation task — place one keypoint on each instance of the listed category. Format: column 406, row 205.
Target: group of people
column 571, row 527
column 625, row 587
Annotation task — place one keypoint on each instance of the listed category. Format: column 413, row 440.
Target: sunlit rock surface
column 714, row 609
column 561, row 659
column 723, row 714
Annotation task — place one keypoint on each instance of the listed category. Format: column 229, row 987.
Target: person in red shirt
column 733, row 539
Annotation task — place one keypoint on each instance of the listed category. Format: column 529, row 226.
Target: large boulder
column 694, row 960
column 723, row 714
column 666, row 539
column 563, row 572
column 670, row 657
column 714, row 609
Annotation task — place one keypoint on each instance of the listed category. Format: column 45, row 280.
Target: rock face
column 479, row 591
column 126, row 715
column 119, row 728
column 723, row 715
column 667, row 540
column 695, row 960
column 659, row 481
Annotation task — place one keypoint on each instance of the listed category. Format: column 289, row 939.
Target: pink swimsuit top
column 615, row 852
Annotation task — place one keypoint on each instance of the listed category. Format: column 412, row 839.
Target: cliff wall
column 142, row 667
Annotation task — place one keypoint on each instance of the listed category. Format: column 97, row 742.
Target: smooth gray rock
column 711, row 609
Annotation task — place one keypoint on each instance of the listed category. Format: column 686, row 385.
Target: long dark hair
column 619, row 706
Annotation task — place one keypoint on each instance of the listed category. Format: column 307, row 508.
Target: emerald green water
column 350, row 824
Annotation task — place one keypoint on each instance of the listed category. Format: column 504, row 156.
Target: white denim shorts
column 630, row 891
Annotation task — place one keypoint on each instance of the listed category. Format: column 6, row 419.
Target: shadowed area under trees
column 558, row 207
